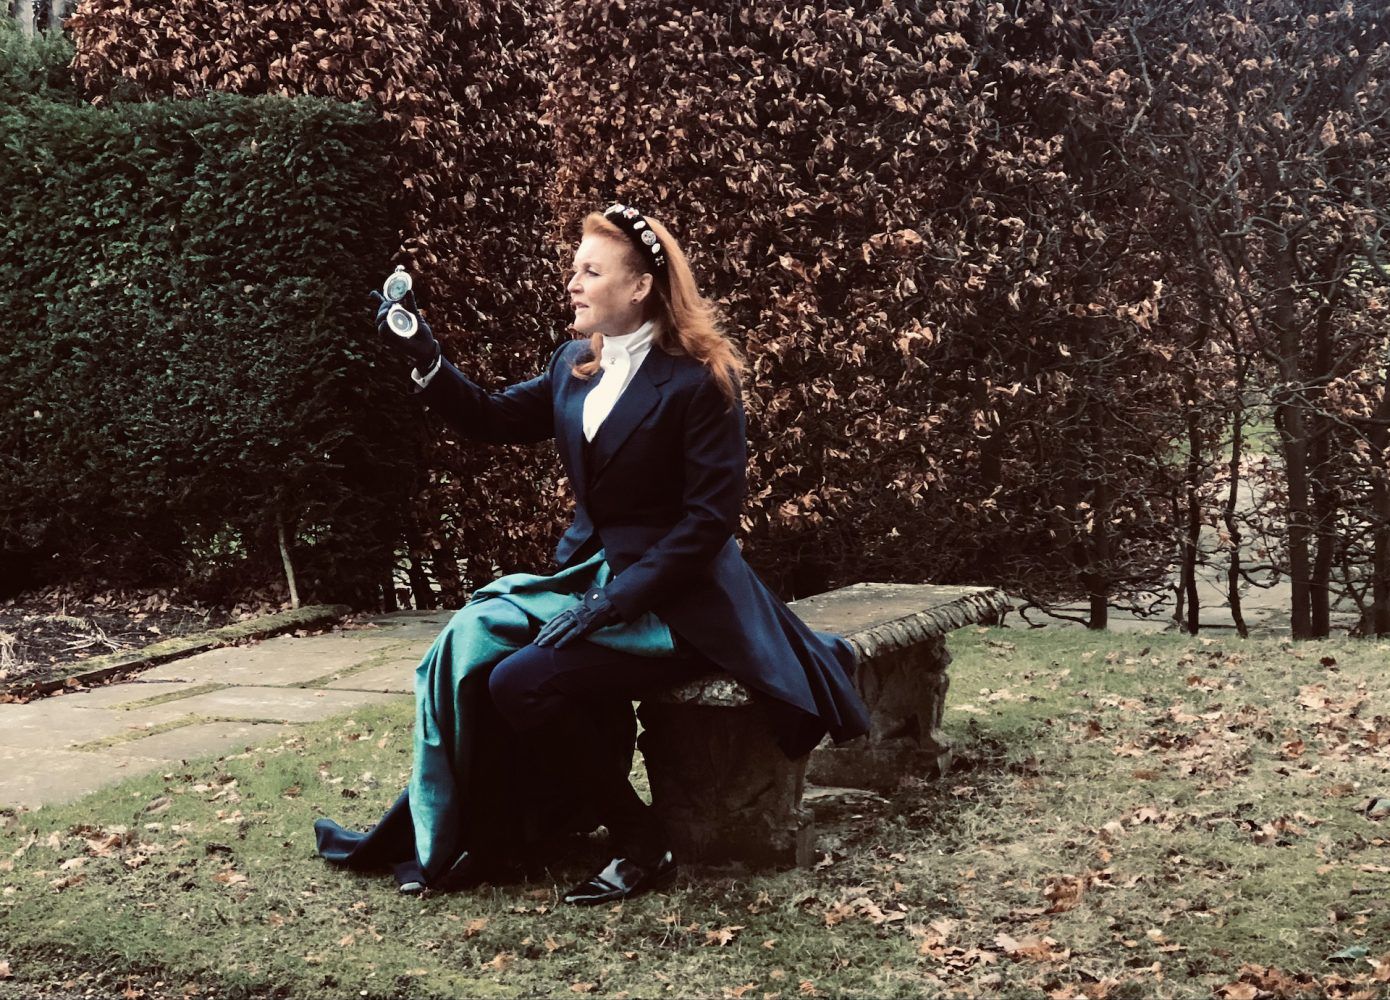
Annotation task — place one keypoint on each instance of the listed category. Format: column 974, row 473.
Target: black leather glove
column 422, row 349
column 572, row 625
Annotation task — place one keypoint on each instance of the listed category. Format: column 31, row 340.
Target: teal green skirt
column 501, row 618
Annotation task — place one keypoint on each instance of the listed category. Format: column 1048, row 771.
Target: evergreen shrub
column 187, row 370
column 34, row 66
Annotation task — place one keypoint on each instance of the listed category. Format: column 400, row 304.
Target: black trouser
column 561, row 700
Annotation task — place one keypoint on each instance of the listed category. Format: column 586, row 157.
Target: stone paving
column 59, row 748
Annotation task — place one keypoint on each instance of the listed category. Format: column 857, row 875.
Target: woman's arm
column 716, row 463
column 518, row 414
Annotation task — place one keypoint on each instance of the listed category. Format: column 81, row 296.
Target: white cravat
column 619, row 361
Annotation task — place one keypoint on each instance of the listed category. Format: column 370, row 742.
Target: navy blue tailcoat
column 661, row 489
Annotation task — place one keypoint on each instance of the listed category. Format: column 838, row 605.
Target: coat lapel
column 632, row 407
column 571, row 433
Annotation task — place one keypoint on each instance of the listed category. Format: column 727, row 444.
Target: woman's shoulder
column 683, row 366
column 693, row 379
column 576, row 350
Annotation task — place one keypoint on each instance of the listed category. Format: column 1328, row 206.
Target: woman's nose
column 572, row 284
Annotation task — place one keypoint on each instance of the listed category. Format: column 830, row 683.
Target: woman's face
column 606, row 295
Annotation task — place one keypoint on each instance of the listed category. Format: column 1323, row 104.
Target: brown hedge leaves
column 947, row 234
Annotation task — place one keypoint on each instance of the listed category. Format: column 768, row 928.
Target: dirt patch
column 44, row 633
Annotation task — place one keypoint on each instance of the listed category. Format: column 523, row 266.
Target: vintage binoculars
column 402, row 321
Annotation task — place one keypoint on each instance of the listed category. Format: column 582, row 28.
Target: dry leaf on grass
column 721, row 936
column 866, row 909
column 1063, row 893
column 1031, row 948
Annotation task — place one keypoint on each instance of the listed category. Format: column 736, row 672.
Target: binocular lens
column 402, row 322
column 397, row 286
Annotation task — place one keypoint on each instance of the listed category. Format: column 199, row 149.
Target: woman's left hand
column 594, row 613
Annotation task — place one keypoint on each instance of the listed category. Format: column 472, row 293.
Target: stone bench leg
column 905, row 690
column 722, row 787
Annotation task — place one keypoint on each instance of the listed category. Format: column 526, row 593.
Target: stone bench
column 724, row 790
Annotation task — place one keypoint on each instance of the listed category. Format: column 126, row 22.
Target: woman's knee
column 515, row 686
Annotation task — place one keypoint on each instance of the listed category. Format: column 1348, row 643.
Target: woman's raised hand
column 421, row 347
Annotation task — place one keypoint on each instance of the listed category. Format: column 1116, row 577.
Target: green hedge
column 187, row 362
column 34, row 66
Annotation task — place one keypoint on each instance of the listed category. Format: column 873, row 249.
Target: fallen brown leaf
column 1063, row 893
column 500, row 961
column 230, row 876
column 721, row 936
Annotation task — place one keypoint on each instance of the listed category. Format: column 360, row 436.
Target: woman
column 536, row 675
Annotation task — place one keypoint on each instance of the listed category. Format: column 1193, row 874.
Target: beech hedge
column 186, row 378
column 913, row 221
column 899, row 207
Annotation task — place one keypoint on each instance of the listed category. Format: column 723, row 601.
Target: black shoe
column 623, row 879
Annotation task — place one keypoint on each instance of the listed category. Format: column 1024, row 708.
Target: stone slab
column 53, row 724
column 32, row 778
column 102, row 668
column 413, row 625
column 875, row 616
column 123, row 694
column 203, row 739
column 397, row 677
column 270, row 704
column 283, row 661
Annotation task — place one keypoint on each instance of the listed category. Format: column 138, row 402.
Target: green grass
column 1187, row 809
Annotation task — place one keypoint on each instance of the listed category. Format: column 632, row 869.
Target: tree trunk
column 289, row 566
column 446, row 573
column 1180, row 588
column 1379, row 437
column 1324, row 493
column 1289, row 419
column 1324, row 514
column 23, row 11
column 1097, row 576
column 1192, row 537
column 1228, row 511
column 1380, row 562
column 422, row 594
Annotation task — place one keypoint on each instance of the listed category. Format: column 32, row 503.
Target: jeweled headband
column 648, row 244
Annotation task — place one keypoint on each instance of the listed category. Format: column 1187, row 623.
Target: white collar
column 633, row 344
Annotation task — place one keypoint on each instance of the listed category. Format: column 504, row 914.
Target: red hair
column 686, row 321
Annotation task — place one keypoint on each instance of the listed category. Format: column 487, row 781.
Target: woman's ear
column 643, row 289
